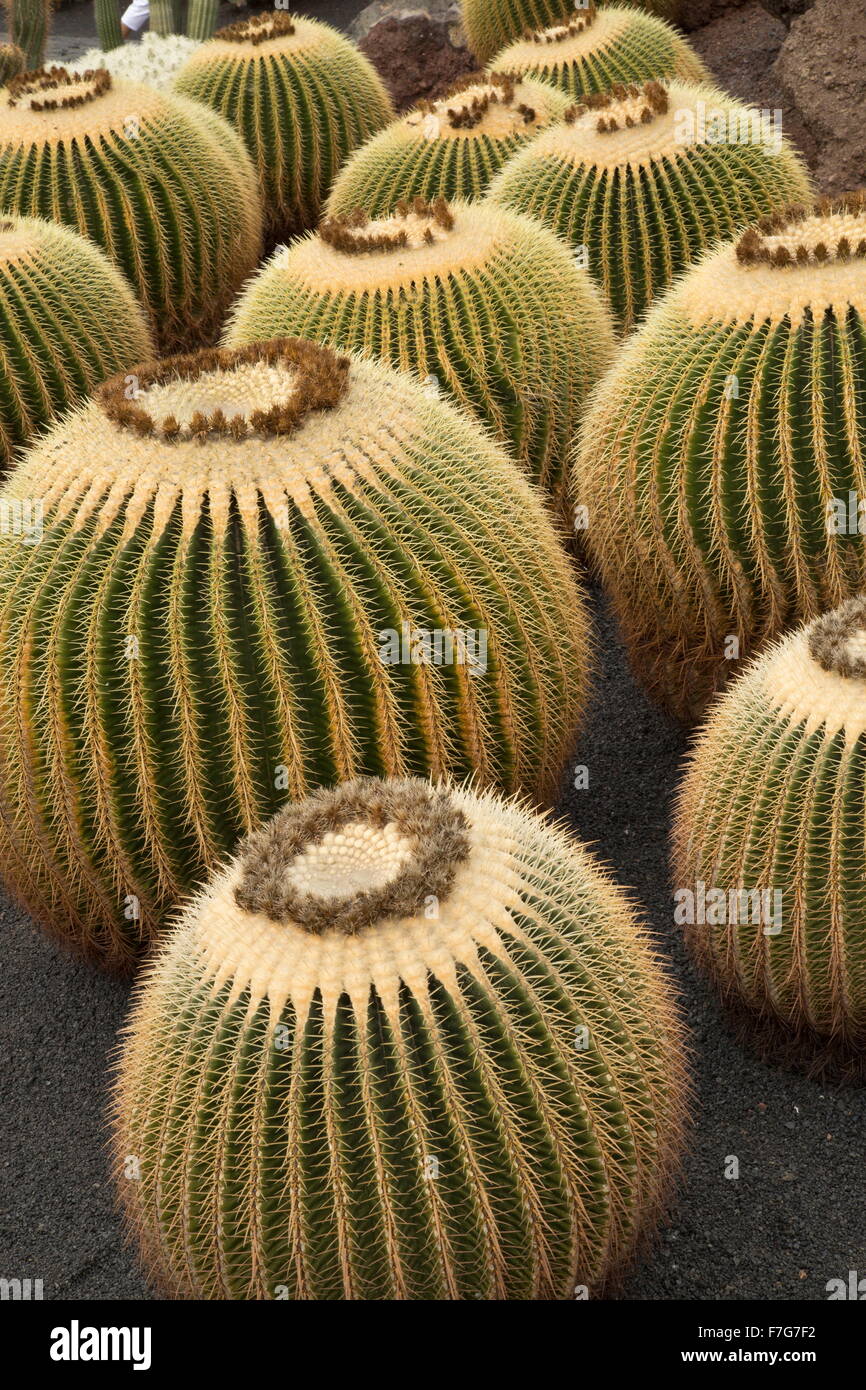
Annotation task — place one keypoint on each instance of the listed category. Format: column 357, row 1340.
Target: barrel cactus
column 262, row 571
column 772, row 814
column 12, row 62
column 411, row 1043
column 489, row 24
column 683, row 167
column 449, row 148
column 722, row 457
column 68, row 319
column 153, row 59
column 165, row 188
column 29, row 22
column 595, row 48
column 301, row 96
column 478, row 301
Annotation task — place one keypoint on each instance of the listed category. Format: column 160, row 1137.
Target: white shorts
column 137, row 15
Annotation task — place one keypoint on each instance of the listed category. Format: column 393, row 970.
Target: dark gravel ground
column 791, row 1221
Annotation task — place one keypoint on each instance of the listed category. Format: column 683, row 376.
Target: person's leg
column 134, row 17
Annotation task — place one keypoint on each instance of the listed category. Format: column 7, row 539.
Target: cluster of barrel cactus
column 294, row 652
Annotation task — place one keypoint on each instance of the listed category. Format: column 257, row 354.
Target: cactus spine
column 201, row 18
column 597, row 48
column 67, row 320
column 772, row 813
column 107, row 27
column 450, row 148
column 271, row 571
column 153, row 60
column 480, row 302
column 29, row 22
column 383, row 1104
column 301, row 96
column 733, row 423
column 165, row 189
column 490, row 24
column 647, row 158
column 11, row 62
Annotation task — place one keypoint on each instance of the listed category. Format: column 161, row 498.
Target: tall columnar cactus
column 489, row 24
column 165, row 188
column 67, row 321
column 722, row 457
column 29, row 22
column 645, row 178
column 268, row 571
column 449, row 148
column 481, row 302
column 771, row 816
column 108, row 26
column 411, row 1043
column 152, row 59
column 301, row 96
column 596, row 48
column 12, row 62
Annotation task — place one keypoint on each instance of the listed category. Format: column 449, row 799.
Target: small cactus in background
column 12, row 62
column 723, row 453
column 262, row 572
column 597, row 48
column 301, row 96
column 478, row 301
column 450, row 148
column 108, row 27
column 152, row 59
column 165, row 188
column 649, row 152
column 29, row 22
column 490, row 24
column 67, row 321
column 411, row 1043
column 769, row 838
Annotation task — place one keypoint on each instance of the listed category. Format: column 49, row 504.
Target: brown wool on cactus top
column 837, row 640
column 558, row 33
column 476, row 98
column 259, row 29
column 353, row 856
column 57, row 88
column 625, row 105
column 228, row 384
column 830, row 230
column 413, row 223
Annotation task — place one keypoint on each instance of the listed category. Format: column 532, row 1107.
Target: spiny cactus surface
column 490, row 24
column 165, row 188
column 772, row 816
column 269, row 570
column 68, row 319
column 153, row 59
column 722, row 457
column 645, row 178
column 29, row 22
column 481, row 303
column 301, row 96
column 450, row 148
column 411, row 1043
column 598, row 47
column 12, row 62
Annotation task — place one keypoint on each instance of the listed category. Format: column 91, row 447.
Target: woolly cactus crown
column 486, row 303
column 679, row 181
column 595, row 48
column 464, row 1059
column 449, row 148
column 165, row 188
column 491, row 23
column 154, row 59
column 774, row 802
column 733, row 420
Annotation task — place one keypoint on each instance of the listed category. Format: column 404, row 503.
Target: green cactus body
column 491, row 24
column 598, row 48
column 301, row 96
column 201, row 18
column 29, row 22
column 411, row 1043
column 645, row 178
column 165, row 189
column 479, row 302
column 165, row 17
column 274, row 569
column 771, row 815
column 152, row 59
column 450, row 148
column 67, row 321
column 107, row 27
column 12, row 62
column 718, row 452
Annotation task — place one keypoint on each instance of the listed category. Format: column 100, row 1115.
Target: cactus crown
column 413, row 224
column 837, row 640
column 559, row 33
column 57, row 89
column 493, row 103
column 833, row 230
column 624, row 106
column 351, row 857
column 266, row 389
column 261, row 28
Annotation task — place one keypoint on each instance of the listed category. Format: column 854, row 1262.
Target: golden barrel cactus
column 596, row 47
column 301, row 96
column 68, row 319
column 163, row 186
column 722, row 460
column 479, row 302
column 411, row 1043
column 261, row 572
column 770, row 847
column 489, row 24
column 644, row 178
column 450, row 148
